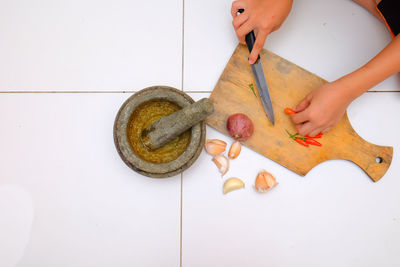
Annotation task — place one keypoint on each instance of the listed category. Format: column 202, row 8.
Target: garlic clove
column 265, row 181
column 233, row 184
column 236, row 147
column 215, row 146
column 222, row 163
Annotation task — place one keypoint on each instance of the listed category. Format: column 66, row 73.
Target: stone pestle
column 166, row 129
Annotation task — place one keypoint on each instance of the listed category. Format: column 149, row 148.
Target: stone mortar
column 184, row 161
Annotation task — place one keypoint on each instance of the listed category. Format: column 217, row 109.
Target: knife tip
column 272, row 120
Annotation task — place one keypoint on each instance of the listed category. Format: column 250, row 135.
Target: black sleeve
column 390, row 9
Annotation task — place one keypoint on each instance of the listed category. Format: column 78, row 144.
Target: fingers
column 316, row 131
column 326, row 129
column 300, row 118
column 239, row 20
column 236, row 5
column 244, row 29
column 304, row 128
column 306, row 124
column 303, row 104
column 258, row 46
column 308, row 128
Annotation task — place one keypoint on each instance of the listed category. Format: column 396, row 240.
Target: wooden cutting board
column 288, row 85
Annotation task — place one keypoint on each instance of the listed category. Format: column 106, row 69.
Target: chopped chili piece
column 289, row 111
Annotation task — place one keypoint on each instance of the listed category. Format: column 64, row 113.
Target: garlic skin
column 215, row 146
column 222, row 163
column 264, row 181
column 233, row 184
column 236, row 147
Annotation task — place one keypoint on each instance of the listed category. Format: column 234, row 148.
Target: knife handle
column 250, row 38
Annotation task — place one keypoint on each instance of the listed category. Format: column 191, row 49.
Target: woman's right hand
column 262, row 16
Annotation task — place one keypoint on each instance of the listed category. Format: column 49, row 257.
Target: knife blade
column 259, row 77
column 262, row 88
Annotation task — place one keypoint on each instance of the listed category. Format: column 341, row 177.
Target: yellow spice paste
column 145, row 115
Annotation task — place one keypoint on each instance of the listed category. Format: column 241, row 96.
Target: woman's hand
column 321, row 109
column 324, row 107
column 262, row 16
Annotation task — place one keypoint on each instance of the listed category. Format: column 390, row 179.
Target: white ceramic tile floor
column 66, row 198
column 328, row 38
column 335, row 216
column 84, row 206
column 89, row 45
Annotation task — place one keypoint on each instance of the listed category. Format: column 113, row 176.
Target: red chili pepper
column 305, row 141
column 312, row 142
column 320, row 134
column 301, row 142
column 317, row 136
column 289, row 111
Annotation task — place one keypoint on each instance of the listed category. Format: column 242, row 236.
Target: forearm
column 383, row 65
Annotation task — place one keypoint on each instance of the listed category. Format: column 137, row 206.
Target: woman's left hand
column 321, row 109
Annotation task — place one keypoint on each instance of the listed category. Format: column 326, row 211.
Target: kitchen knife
column 258, row 73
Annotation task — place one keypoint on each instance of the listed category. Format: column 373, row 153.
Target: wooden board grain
column 288, row 85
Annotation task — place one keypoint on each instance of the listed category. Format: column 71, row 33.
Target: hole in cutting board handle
column 379, row 160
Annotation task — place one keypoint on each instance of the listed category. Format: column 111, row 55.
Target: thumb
column 258, row 45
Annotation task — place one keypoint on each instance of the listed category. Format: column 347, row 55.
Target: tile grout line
column 180, row 249
column 66, row 92
column 183, row 44
column 198, row 92
column 383, row 91
column 182, row 84
column 128, row 91
column 131, row 91
column 93, row 92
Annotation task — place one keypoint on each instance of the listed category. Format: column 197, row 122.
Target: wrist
column 356, row 83
column 348, row 88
